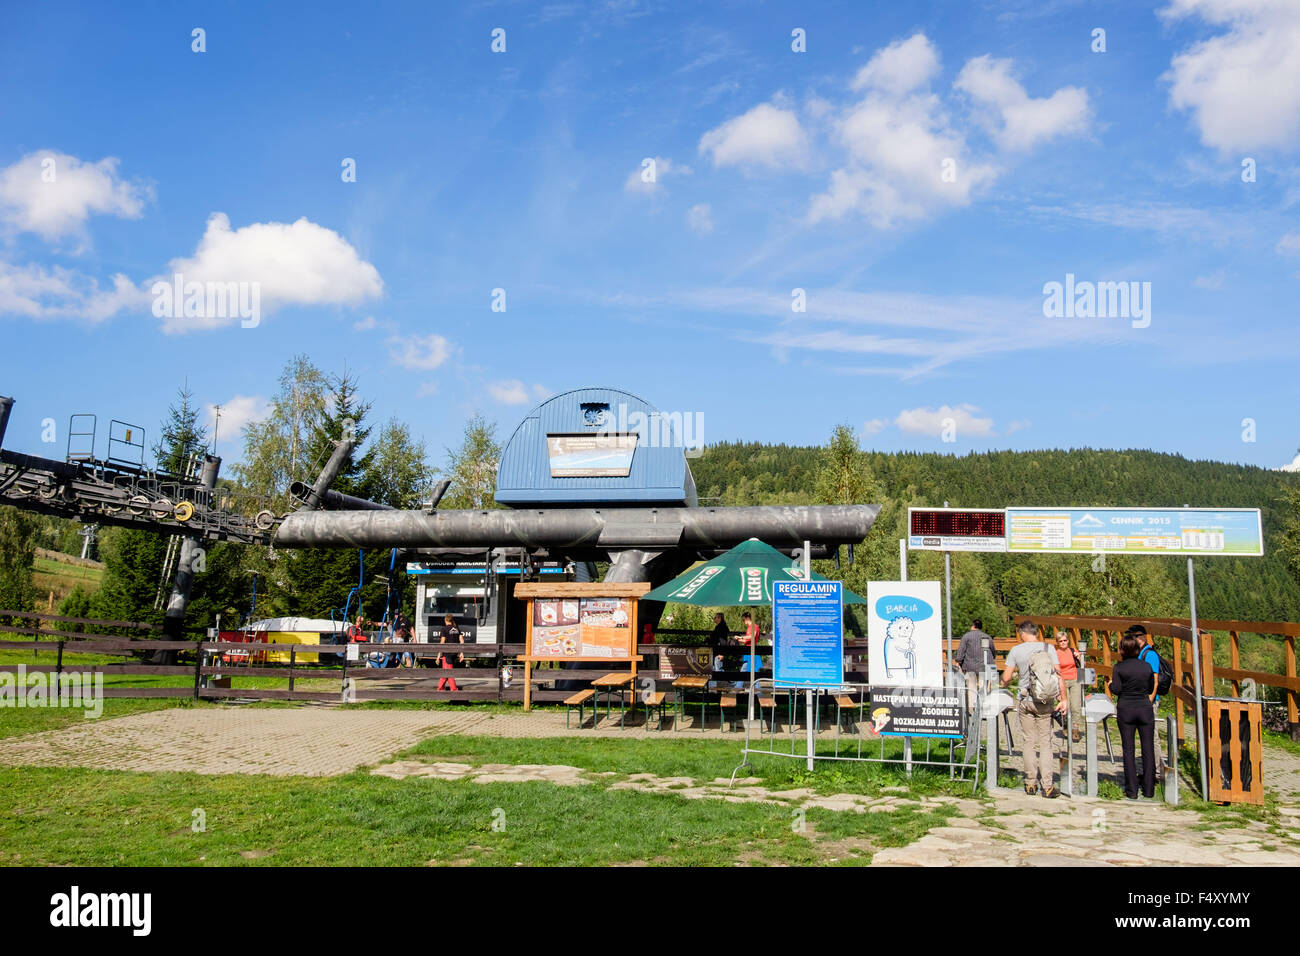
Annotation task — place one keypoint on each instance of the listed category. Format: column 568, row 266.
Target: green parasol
column 741, row 576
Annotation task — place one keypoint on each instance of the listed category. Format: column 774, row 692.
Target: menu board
column 582, row 627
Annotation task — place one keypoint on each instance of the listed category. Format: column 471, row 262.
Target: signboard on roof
column 591, row 456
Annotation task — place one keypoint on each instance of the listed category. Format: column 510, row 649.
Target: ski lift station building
column 589, row 447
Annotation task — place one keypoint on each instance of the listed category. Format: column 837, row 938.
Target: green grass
column 50, row 575
column 84, row 817
column 1282, row 741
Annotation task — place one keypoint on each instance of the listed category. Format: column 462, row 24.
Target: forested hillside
column 1241, row 588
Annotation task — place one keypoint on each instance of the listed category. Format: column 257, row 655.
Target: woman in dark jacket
column 1133, row 684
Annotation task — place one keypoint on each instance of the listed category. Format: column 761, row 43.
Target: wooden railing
column 1103, row 649
column 1102, row 640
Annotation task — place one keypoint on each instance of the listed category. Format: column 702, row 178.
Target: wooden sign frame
column 529, row 591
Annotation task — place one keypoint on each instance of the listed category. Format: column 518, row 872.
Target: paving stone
column 1053, row 859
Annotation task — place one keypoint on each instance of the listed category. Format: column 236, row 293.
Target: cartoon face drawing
column 879, row 718
column 900, row 649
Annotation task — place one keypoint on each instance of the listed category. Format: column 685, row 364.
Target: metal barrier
column 969, row 743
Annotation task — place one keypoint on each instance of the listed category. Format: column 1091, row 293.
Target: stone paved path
column 312, row 741
column 1021, row 831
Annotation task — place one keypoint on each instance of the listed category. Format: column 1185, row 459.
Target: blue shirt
column 1153, row 661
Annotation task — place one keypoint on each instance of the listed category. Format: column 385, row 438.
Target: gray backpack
column 1044, row 687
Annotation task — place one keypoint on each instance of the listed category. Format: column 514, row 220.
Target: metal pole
column 947, row 594
column 808, row 710
column 902, row 559
column 1196, row 673
column 812, row 734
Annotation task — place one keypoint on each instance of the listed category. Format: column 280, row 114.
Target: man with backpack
column 1041, row 693
column 1164, row 678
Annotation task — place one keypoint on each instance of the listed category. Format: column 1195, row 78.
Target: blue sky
column 921, row 171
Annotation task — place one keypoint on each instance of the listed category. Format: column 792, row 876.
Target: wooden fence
column 206, row 675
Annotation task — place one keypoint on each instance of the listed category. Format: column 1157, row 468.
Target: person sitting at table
column 720, row 636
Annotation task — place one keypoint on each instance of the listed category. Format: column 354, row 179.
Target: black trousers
column 1137, row 715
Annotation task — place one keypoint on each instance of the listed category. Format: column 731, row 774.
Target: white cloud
column 898, row 151
column 426, row 389
column 236, row 412
column 1017, row 120
column 903, row 149
column 421, row 352
column 767, row 135
column 509, row 392
column 541, row 392
column 31, row 202
column 900, row 67
column 639, row 181
column 907, row 158
column 34, row 292
column 700, row 217
column 1289, row 245
column 1017, row 426
column 1242, row 87
column 873, row 427
column 933, row 421
column 298, row 263
column 1294, row 466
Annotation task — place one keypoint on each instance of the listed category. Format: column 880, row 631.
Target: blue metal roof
column 658, row 475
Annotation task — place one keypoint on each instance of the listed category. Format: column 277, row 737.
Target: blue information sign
column 808, row 633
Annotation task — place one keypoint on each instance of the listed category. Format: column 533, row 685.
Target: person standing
column 1134, row 687
column 1070, row 663
column 1040, row 686
column 750, row 640
column 1148, row 654
column 974, row 653
column 450, row 634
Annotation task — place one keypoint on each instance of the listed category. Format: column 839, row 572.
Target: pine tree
column 182, row 437
column 133, row 560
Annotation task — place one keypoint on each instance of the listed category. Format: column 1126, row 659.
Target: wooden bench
column 653, row 702
column 579, row 700
column 728, row 701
